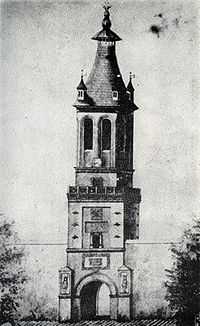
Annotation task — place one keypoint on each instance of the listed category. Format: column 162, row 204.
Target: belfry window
column 88, row 134
column 115, row 95
column 80, row 94
column 106, row 134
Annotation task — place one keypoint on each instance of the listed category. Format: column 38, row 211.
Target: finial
column 107, row 5
column 131, row 76
column 106, row 23
column 81, row 74
column 81, row 85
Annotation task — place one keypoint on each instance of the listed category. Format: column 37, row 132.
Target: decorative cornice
column 102, row 170
column 92, row 250
column 111, row 109
column 95, row 170
column 88, row 193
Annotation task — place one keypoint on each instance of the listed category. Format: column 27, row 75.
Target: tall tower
column 103, row 206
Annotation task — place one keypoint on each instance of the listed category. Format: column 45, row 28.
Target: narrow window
column 80, row 94
column 96, row 240
column 106, row 134
column 88, row 134
column 115, row 95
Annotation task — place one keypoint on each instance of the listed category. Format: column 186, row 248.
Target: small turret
column 81, row 89
column 130, row 88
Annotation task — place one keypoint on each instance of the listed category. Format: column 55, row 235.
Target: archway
column 89, row 291
column 95, row 301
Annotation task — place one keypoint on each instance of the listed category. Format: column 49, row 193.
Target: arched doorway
column 95, row 301
column 88, row 293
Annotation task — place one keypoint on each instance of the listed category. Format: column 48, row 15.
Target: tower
column 103, row 206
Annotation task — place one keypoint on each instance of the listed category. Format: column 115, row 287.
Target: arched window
column 106, row 134
column 88, row 134
column 80, row 94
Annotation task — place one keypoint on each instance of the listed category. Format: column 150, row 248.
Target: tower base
column 84, row 300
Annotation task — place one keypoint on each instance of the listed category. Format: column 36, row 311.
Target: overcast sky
column 44, row 45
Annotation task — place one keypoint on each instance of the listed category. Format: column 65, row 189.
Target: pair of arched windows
column 104, row 134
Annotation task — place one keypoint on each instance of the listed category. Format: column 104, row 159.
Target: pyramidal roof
column 105, row 76
column 81, row 85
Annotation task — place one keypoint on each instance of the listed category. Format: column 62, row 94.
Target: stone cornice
column 94, row 250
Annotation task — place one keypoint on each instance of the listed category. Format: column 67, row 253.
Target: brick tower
column 103, row 206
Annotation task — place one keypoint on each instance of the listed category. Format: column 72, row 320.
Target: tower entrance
column 95, row 301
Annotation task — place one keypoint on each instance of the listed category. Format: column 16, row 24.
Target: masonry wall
column 148, row 276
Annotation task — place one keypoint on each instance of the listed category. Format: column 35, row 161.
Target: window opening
column 115, row 95
column 88, row 134
column 80, row 94
column 106, row 134
column 96, row 240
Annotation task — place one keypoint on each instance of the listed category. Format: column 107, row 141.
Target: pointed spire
column 130, row 87
column 81, row 85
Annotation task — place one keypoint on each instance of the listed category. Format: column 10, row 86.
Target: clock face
column 97, row 162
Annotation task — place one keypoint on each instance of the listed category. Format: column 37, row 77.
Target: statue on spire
column 106, row 23
column 106, row 34
column 107, row 6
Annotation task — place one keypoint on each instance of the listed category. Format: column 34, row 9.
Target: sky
column 44, row 46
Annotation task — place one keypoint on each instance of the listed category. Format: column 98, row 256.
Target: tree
column 183, row 285
column 12, row 275
column 37, row 306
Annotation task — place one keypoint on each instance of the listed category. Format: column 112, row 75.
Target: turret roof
column 104, row 78
column 130, row 87
column 81, row 85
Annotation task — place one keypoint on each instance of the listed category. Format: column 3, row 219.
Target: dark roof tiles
column 105, row 78
column 138, row 322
